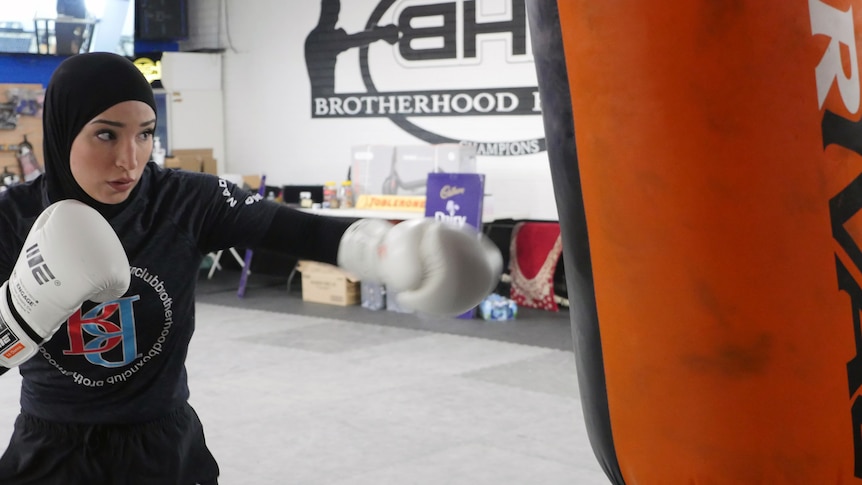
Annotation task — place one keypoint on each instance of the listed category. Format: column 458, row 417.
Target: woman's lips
column 122, row 185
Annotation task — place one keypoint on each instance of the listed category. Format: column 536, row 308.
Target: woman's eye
column 147, row 135
column 105, row 135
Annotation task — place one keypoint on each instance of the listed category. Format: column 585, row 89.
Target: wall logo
column 434, row 40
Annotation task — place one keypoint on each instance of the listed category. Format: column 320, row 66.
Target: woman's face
column 111, row 151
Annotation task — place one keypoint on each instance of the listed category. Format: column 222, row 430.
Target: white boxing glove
column 433, row 267
column 70, row 256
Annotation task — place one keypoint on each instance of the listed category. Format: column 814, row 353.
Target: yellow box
column 410, row 203
column 325, row 283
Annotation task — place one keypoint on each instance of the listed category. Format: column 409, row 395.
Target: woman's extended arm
column 304, row 235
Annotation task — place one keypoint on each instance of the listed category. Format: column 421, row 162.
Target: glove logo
column 38, row 266
column 9, row 342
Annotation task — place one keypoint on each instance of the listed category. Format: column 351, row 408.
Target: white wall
column 268, row 102
column 193, row 82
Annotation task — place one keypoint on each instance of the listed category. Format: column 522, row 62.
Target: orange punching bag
column 707, row 165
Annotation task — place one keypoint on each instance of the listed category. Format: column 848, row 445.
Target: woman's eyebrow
column 109, row 122
column 119, row 124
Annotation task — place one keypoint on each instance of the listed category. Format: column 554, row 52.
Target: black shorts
column 168, row 451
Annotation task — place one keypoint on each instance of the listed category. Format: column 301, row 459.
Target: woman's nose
column 127, row 156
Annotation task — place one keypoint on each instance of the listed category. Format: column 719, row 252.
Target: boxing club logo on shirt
column 104, row 336
column 107, row 335
column 99, row 339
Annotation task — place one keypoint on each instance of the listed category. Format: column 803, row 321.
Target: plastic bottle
column 345, row 195
column 27, row 160
column 330, row 196
column 8, row 179
column 158, row 152
column 305, row 200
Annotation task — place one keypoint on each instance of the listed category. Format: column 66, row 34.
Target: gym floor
column 292, row 392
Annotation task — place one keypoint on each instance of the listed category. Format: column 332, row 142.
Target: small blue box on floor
column 498, row 308
column 373, row 295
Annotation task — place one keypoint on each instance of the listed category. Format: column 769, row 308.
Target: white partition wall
column 193, row 85
column 306, row 81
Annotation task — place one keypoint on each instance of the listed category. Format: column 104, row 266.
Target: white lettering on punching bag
column 838, row 26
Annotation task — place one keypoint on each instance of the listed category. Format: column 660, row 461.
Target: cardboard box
column 182, row 164
column 195, row 153
column 252, row 182
column 325, row 283
column 196, row 160
column 209, row 165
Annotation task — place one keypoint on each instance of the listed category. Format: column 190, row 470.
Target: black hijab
column 81, row 87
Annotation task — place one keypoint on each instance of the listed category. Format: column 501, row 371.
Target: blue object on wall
column 37, row 68
column 156, row 46
column 27, row 68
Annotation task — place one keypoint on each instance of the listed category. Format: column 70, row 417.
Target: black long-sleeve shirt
column 124, row 361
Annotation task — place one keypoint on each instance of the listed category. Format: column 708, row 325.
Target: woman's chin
column 111, row 199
